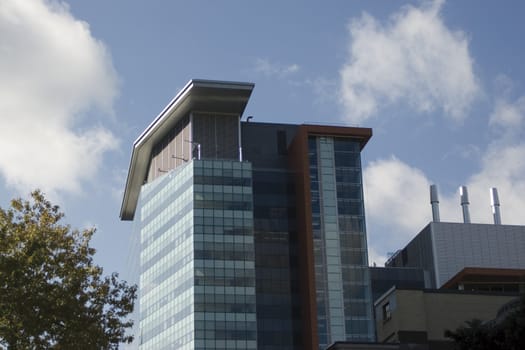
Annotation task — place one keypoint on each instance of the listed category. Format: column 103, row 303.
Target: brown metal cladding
column 299, row 164
column 298, row 160
column 171, row 150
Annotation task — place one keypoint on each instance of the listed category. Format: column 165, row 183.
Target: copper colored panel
column 298, row 160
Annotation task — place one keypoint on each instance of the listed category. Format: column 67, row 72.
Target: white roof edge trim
column 181, row 95
column 164, row 112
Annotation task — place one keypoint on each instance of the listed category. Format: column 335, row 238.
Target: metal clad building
column 444, row 249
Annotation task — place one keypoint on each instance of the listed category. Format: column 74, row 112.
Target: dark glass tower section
column 275, row 235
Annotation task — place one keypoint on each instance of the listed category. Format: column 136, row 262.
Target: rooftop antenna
column 494, row 203
column 434, row 201
column 179, row 158
column 464, row 204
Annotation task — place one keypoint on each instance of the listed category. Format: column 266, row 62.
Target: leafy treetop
column 52, row 295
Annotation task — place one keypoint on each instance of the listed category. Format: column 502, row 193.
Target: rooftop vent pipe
column 464, row 204
column 494, row 203
column 434, row 201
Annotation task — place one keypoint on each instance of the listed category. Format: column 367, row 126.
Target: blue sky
column 441, row 83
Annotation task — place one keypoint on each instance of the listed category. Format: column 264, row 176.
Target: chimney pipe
column 464, row 204
column 494, row 203
column 434, row 201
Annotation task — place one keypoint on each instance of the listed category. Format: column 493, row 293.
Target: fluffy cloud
column 52, row 70
column 414, row 59
column 397, row 195
column 394, row 187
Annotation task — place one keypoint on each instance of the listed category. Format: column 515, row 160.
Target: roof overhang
column 360, row 134
column 484, row 274
column 197, row 95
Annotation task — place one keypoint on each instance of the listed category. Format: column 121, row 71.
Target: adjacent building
column 419, row 318
column 465, row 270
column 443, row 249
column 252, row 235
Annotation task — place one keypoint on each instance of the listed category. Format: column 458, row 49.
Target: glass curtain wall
column 224, row 256
column 276, row 272
column 166, row 280
column 197, row 280
column 344, row 310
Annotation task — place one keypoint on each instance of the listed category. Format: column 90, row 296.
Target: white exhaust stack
column 494, row 203
column 434, row 201
column 464, row 204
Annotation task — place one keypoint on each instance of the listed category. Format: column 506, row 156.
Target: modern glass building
column 197, row 258
column 252, row 235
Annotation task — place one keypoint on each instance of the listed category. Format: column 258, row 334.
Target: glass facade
column 197, row 285
column 275, row 264
column 342, row 283
column 221, row 247
column 167, row 265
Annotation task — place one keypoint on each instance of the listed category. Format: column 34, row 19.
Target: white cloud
column 393, row 192
column 413, row 59
column 273, row 69
column 509, row 114
column 52, row 70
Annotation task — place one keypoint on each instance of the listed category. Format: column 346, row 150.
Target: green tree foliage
column 506, row 334
column 511, row 332
column 52, row 295
column 473, row 335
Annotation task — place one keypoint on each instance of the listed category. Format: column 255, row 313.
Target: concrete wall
column 449, row 311
column 415, row 313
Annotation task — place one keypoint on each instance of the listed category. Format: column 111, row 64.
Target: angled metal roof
column 198, row 95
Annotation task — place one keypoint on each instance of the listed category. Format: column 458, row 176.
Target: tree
column 512, row 328
column 52, row 295
column 508, row 333
column 474, row 335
